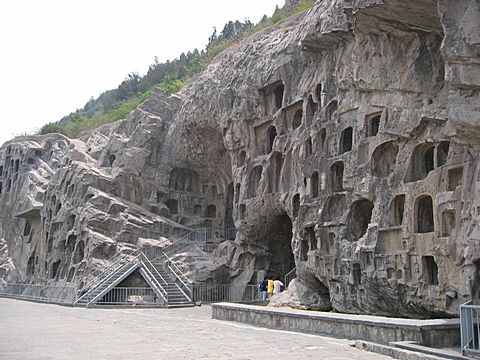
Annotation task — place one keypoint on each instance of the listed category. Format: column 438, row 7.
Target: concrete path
column 40, row 331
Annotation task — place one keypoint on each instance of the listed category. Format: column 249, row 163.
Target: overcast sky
column 56, row 54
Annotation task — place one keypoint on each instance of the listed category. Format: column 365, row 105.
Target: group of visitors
column 268, row 287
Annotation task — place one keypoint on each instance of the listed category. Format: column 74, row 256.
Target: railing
column 292, row 274
column 119, row 260
column 201, row 236
column 43, row 293
column 470, row 328
column 131, row 296
column 185, row 284
column 225, row 293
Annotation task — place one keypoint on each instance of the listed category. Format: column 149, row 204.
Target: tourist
column 262, row 288
column 277, row 286
column 270, row 287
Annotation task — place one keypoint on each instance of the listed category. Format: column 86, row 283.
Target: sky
column 56, row 54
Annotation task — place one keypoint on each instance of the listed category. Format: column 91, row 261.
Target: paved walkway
column 40, row 331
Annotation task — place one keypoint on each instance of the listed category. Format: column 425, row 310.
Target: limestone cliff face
column 343, row 141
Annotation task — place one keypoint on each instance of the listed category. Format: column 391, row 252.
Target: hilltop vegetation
column 113, row 105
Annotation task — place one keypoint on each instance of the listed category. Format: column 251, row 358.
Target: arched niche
column 384, row 159
column 423, row 221
column 346, row 140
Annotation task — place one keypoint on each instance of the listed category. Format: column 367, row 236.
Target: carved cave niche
column 241, row 158
column 396, row 210
column 277, row 239
column 454, row 178
column 448, row 222
column 271, row 135
column 372, row 124
column 320, row 140
column 237, row 193
column 295, row 205
column 309, row 234
column 254, row 181
column 421, row 162
column 442, row 153
column 275, row 171
column 242, row 211
column 79, row 252
column 318, row 94
column 423, row 220
column 334, row 208
column 314, row 184
column 331, row 109
column 359, row 217
column 346, row 140
column 229, row 204
column 184, row 180
column 172, row 205
column 211, row 211
column 197, row 209
column 336, row 176
column 384, row 159
column 297, row 119
column 429, row 270
column 310, row 110
column 273, row 97
column 308, row 147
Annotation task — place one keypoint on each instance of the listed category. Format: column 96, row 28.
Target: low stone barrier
column 382, row 330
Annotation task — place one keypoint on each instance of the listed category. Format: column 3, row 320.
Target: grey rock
column 342, row 141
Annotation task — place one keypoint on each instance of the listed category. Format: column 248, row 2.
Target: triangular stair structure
column 158, row 279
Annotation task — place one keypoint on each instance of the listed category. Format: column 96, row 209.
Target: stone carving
column 343, row 141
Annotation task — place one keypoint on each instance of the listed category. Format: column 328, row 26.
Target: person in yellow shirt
column 270, row 287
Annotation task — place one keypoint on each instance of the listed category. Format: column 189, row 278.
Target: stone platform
column 382, row 330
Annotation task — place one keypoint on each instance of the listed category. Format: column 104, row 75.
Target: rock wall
column 342, row 141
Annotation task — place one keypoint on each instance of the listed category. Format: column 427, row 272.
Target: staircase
column 160, row 281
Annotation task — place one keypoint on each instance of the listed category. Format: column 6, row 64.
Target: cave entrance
column 278, row 237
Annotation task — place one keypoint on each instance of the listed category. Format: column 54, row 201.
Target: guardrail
column 292, row 274
column 225, row 293
column 131, row 296
column 470, row 328
column 43, row 293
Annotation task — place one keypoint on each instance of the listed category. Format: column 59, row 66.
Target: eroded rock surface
column 343, row 141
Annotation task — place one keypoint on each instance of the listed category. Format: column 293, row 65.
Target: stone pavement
column 42, row 331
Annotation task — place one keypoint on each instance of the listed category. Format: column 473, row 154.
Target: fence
column 225, row 293
column 470, row 328
column 292, row 274
column 131, row 296
column 43, row 293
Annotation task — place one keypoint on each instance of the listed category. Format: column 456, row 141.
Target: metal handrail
column 99, row 280
column 110, row 269
column 187, row 284
column 163, row 292
column 470, row 328
column 149, row 263
column 292, row 274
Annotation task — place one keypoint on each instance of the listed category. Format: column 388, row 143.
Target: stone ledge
column 382, row 330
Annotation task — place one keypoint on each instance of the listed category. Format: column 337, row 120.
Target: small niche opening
column 308, row 147
column 172, row 205
column 442, row 153
column 455, row 177
column 373, row 125
column 336, row 175
column 297, row 119
column 211, row 211
column 424, row 214
column 295, row 205
column 241, row 158
column 271, row 135
column 346, row 140
column 448, row 222
column 314, row 184
column 430, row 270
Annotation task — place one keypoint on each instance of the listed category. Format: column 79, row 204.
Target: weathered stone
column 342, row 141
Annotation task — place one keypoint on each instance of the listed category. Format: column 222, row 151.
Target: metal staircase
column 160, row 281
